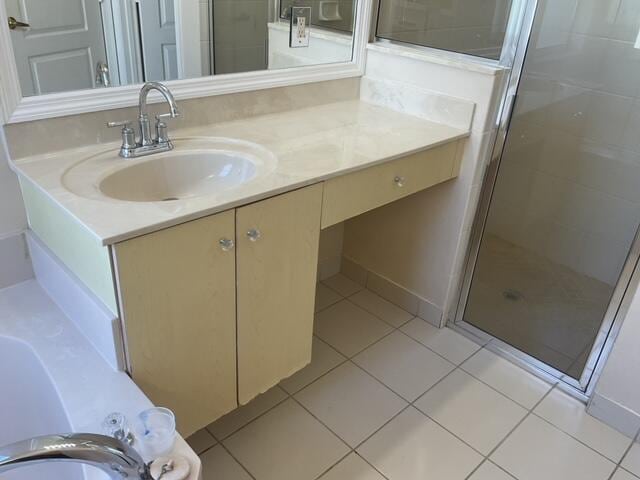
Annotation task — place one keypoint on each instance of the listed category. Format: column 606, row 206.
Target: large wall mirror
column 67, row 45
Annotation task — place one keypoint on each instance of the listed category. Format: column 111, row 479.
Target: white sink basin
column 196, row 167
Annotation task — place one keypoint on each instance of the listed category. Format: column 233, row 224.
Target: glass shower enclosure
column 554, row 244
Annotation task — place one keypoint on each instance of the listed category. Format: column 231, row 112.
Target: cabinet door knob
column 226, row 244
column 399, row 181
column 254, row 234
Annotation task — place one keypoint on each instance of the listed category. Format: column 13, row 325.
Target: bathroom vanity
column 215, row 284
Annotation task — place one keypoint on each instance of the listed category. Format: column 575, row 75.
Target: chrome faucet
column 147, row 144
column 114, row 457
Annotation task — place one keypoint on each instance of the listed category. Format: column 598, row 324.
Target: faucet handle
column 120, row 123
column 128, row 137
column 162, row 136
column 162, row 116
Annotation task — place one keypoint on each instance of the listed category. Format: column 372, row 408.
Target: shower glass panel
column 473, row 27
column 566, row 202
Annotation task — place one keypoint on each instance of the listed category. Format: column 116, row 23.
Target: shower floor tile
column 540, row 307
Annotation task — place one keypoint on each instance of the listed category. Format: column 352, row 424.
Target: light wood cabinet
column 276, row 287
column 178, row 303
column 350, row 195
column 182, row 303
column 211, row 325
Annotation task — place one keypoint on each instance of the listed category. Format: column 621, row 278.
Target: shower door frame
column 521, row 25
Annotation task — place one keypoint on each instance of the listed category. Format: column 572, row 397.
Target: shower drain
column 513, row 295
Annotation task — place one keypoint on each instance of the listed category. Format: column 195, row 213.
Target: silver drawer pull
column 399, row 181
column 254, row 234
column 226, row 244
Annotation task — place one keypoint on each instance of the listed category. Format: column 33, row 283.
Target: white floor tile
column 217, row 464
column 569, row 415
column 238, row 418
column 516, row 383
column 471, row 410
column 348, row 328
column 381, row 308
column 488, row 471
column 444, row 341
column 537, row 450
column 201, row 441
column 413, row 447
column 343, row 285
column 350, row 402
column 623, row 475
column 286, row 443
column 352, row 468
column 323, row 359
column 631, row 460
column 325, row 297
column 404, row 365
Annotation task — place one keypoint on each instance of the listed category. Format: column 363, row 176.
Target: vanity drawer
column 350, row 195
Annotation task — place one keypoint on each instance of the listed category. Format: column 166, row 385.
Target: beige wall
column 616, row 399
column 12, row 217
column 330, row 251
column 15, row 265
column 421, row 240
column 55, row 134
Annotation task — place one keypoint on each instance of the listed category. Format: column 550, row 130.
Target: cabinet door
column 177, row 294
column 276, row 266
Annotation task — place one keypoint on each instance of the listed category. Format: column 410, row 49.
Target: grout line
column 575, row 438
column 237, row 461
column 333, row 465
column 221, row 439
column 431, row 349
column 504, row 439
column 486, row 458
column 624, row 455
column 348, row 299
column 334, row 290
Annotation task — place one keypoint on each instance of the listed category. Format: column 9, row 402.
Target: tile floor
column 388, row 396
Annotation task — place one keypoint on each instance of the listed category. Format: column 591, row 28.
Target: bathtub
column 52, row 381
column 30, row 406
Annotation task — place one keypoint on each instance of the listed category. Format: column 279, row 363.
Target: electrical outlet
column 300, row 27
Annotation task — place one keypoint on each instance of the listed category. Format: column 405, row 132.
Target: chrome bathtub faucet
column 147, row 144
column 117, row 459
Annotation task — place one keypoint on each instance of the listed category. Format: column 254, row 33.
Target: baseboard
column 392, row 292
column 328, row 267
column 84, row 309
column 615, row 415
column 15, row 260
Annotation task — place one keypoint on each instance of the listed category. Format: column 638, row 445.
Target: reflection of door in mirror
column 158, row 34
column 61, row 49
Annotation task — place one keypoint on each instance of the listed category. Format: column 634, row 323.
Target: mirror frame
column 14, row 108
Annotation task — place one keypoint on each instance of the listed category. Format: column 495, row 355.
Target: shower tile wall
column 240, row 35
column 475, row 27
column 567, row 200
column 571, row 170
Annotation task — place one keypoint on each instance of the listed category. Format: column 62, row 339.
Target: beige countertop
column 309, row 145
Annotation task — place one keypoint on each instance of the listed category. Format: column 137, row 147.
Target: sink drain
column 513, row 295
column 169, row 199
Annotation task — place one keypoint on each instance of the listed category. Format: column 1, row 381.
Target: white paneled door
column 61, row 48
column 157, row 21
